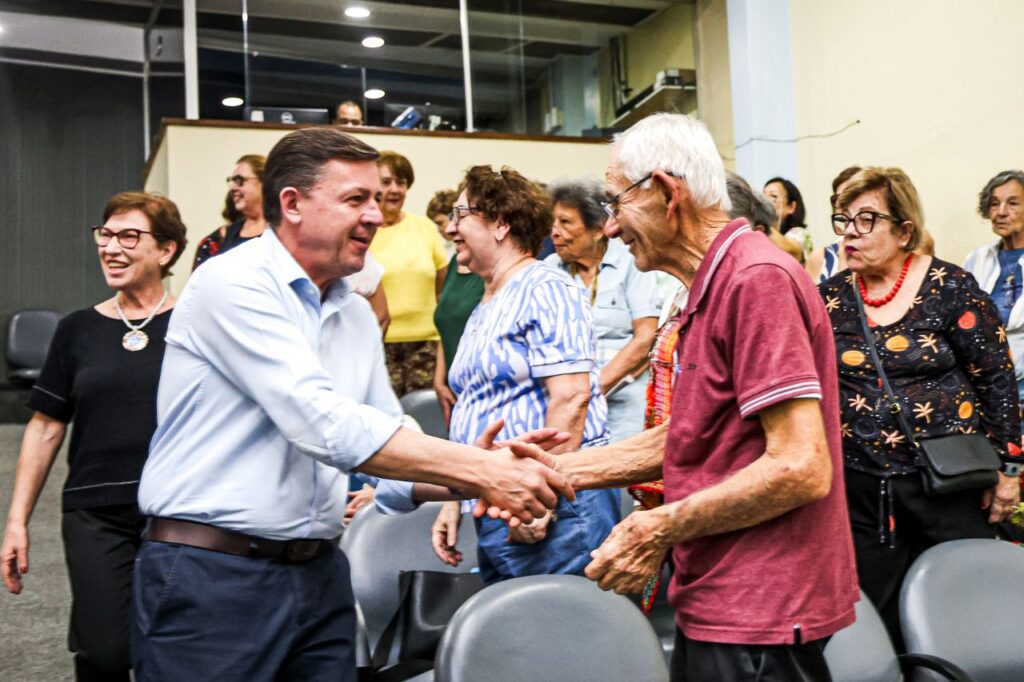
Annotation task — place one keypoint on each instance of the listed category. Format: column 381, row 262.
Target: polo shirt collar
column 712, row 259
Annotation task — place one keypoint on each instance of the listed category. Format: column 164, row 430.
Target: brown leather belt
column 203, row 536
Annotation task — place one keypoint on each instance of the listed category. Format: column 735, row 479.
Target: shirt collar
column 616, row 255
column 285, row 268
column 712, row 259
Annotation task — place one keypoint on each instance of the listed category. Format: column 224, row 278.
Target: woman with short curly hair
column 526, row 357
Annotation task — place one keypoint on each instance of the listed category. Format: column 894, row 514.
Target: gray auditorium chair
column 963, row 601
column 549, row 627
column 863, row 651
column 29, row 333
column 378, row 547
column 423, row 407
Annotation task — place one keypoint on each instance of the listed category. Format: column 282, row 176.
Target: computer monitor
column 286, row 115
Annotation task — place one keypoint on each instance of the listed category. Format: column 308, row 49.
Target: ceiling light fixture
column 232, row 101
column 373, row 93
column 373, row 42
column 357, row 12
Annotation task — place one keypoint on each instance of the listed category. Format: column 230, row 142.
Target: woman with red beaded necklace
column 941, row 344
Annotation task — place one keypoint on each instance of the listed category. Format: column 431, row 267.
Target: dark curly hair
column 508, row 197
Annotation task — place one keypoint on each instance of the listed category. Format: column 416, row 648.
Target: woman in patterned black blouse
column 944, row 350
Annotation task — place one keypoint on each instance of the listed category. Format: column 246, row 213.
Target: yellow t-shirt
column 411, row 252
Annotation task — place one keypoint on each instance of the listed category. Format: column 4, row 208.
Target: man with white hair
column 754, row 508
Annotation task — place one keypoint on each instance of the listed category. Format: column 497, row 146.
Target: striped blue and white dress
column 537, row 325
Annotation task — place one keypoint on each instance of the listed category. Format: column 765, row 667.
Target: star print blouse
column 947, row 359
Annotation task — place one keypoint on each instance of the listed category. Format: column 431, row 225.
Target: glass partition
column 555, row 67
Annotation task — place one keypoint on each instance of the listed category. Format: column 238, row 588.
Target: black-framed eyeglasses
column 460, row 212
column 128, row 239
column 239, row 180
column 611, row 206
column 863, row 222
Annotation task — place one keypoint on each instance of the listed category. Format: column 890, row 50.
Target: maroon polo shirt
column 755, row 333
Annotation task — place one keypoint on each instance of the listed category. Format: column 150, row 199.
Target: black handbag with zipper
column 950, row 463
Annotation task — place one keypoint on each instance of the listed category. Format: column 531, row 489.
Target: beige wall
column 936, row 86
column 665, row 40
column 714, row 82
column 192, row 162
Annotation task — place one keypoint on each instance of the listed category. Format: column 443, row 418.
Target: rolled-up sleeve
column 394, row 497
column 560, row 331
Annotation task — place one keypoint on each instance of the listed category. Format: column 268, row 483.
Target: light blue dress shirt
column 267, row 395
column 624, row 294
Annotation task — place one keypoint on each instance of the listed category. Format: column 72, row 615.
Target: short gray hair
column 583, row 194
column 985, row 198
column 680, row 145
column 746, row 203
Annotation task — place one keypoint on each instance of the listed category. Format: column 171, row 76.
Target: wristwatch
column 1011, row 469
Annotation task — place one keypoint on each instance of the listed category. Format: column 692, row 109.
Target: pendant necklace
column 136, row 339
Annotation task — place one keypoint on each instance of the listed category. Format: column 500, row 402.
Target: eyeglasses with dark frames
column 128, row 239
column 863, row 222
column 460, row 212
column 239, row 180
column 611, row 206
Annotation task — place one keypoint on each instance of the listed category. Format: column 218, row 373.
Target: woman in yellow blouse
column 415, row 264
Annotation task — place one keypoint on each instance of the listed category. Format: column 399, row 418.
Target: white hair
column 680, row 145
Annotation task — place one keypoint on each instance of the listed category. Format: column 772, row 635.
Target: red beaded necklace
column 879, row 302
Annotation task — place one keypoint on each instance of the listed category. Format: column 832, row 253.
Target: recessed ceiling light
column 373, row 41
column 232, row 101
column 1, row 29
column 373, row 93
column 357, row 12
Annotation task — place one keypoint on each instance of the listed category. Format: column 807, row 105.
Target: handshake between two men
column 520, row 480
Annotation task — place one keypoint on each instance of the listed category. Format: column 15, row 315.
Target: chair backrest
column 379, row 547
column 29, row 333
column 962, row 601
column 548, row 627
column 422, row 406
column 863, row 652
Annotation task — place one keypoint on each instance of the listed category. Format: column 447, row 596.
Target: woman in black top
column 942, row 346
column 102, row 371
column 245, row 191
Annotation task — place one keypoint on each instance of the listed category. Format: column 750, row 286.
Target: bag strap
column 387, row 636
column 895, row 406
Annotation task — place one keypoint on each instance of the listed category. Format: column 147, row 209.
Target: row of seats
column 960, row 608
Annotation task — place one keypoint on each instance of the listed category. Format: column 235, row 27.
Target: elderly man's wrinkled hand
column 632, row 553
column 1002, row 498
column 521, row 488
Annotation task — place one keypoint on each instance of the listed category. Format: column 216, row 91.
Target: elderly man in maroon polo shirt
column 754, row 512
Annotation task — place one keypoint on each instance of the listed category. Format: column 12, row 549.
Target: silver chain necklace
column 136, row 339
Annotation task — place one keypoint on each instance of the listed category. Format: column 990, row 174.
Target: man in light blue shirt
column 269, row 391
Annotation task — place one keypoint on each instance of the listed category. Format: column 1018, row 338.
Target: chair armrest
column 947, row 669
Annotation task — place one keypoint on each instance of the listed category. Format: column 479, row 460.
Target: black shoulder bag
column 950, row 463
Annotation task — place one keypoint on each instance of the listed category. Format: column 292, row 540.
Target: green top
column 459, row 297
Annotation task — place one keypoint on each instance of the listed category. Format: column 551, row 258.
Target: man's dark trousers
column 205, row 615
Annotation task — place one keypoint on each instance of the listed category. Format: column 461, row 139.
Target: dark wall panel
column 68, row 141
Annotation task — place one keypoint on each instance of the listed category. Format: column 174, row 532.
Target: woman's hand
column 14, row 557
column 530, row 533
column 444, row 534
column 1002, row 498
column 446, row 399
column 357, row 501
column 545, row 438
